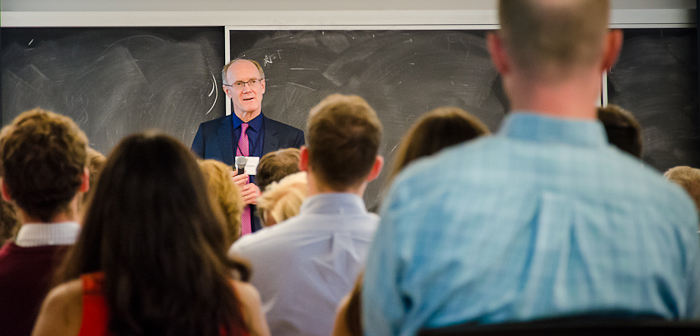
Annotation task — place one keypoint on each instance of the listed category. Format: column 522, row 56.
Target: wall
column 295, row 5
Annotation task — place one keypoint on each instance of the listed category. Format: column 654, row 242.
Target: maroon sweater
column 25, row 276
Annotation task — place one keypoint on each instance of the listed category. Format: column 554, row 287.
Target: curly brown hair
column 43, row 157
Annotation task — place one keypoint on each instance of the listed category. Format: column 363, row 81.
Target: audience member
column 282, row 200
column 304, row 267
column 225, row 193
column 43, row 157
column 9, row 223
column 689, row 179
column 95, row 162
column 440, row 128
column 622, row 129
column 544, row 219
column 151, row 258
column 276, row 165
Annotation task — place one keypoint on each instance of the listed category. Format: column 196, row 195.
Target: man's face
column 247, row 99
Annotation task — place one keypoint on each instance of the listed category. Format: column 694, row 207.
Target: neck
column 573, row 98
column 67, row 215
column 317, row 187
column 247, row 116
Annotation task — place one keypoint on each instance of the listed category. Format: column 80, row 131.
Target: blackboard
column 656, row 78
column 401, row 73
column 116, row 81
column 405, row 73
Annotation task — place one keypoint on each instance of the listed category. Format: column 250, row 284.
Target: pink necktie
column 243, row 151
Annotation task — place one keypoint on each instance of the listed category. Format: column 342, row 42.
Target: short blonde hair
column 224, row 192
column 548, row 38
column 689, row 179
column 95, row 162
column 282, row 199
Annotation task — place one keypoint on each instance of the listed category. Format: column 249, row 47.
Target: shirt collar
column 254, row 124
column 333, row 203
column 42, row 234
column 538, row 128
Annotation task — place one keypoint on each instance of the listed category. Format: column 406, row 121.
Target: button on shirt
column 304, row 266
column 543, row 219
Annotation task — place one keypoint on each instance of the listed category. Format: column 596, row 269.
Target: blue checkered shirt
column 543, row 219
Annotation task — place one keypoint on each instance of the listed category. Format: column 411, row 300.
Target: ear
column 85, row 185
column 228, row 91
column 262, row 85
column 304, row 159
column 498, row 53
column 5, row 192
column 613, row 44
column 376, row 168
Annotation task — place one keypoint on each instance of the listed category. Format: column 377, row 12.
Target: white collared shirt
column 42, row 234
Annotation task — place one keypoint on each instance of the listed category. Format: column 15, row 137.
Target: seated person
column 622, row 129
column 282, row 200
column 9, row 223
column 304, row 267
column 275, row 165
column 225, row 194
column 43, row 157
column 95, row 161
column 440, row 128
column 151, row 259
column 689, row 179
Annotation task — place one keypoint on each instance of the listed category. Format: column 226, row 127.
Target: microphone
column 240, row 164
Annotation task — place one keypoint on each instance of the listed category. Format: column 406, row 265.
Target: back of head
column 153, row 231
column 622, row 129
column 225, row 193
column 282, row 200
column 275, row 165
column 437, row 129
column 43, row 158
column 550, row 37
column 689, row 179
column 343, row 136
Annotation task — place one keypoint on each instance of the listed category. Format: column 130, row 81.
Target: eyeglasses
column 241, row 84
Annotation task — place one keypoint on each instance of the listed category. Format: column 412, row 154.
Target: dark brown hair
column 437, row 129
column 152, row 229
column 343, row 138
column 622, row 129
column 549, row 38
column 43, row 158
column 276, row 165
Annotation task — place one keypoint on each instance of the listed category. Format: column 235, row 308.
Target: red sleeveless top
column 95, row 313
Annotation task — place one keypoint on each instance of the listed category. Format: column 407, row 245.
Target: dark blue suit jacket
column 214, row 141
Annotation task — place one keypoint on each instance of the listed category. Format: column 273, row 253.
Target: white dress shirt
column 304, row 266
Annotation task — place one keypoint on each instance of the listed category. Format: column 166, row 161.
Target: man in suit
column 220, row 139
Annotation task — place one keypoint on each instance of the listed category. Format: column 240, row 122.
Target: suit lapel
column 270, row 141
column 225, row 135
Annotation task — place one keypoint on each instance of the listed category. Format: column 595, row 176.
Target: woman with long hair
column 151, row 258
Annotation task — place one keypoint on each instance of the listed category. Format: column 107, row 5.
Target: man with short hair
column 246, row 132
column 276, row 165
column 304, row 266
column 543, row 219
column 43, row 169
column 688, row 178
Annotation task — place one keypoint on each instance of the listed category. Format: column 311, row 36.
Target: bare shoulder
column 62, row 310
column 251, row 308
column 246, row 293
